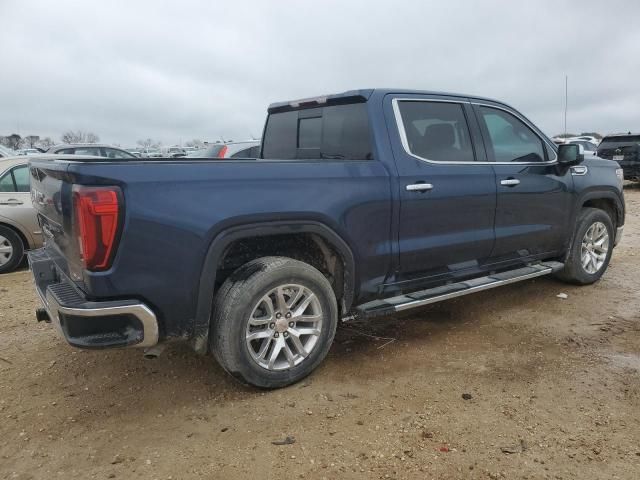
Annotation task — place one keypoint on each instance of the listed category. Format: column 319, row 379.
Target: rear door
column 15, row 200
column 447, row 188
column 534, row 196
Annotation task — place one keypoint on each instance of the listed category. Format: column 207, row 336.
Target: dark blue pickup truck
column 363, row 203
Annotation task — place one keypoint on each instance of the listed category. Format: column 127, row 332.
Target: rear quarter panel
column 174, row 210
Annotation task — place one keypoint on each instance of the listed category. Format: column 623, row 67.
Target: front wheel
column 273, row 322
column 591, row 248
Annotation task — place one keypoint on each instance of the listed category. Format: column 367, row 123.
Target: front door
column 534, row 196
column 447, row 190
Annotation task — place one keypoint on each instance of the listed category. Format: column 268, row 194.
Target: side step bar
column 425, row 297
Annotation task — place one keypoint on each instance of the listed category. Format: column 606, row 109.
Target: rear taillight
column 97, row 216
column 222, row 152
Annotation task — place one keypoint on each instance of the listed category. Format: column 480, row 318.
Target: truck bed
column 174, row 208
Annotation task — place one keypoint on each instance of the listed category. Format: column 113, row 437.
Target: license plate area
column 618, row 158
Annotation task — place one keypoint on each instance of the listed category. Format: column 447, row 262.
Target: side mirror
column 569, row 154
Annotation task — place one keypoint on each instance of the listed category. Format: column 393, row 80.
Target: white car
column 588, row 138
column 19, row 229
column 28, row 151
column 247, row 149
column 6, row 152
column 588, row 148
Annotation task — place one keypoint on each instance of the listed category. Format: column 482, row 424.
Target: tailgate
column 52, row 199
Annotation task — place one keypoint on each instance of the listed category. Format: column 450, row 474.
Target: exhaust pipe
column 42, row 315
column 155, row 351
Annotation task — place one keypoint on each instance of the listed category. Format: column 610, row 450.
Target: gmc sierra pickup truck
column 360, row 204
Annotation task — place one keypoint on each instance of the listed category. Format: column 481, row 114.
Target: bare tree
column 148, row 142
column 71, row 137
column 45, row 143
column 31, row 140
column 13, row 141
column 194, row 143
column 79, row 136
column 92, row 138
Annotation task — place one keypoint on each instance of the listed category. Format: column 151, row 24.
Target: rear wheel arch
column 321, row 246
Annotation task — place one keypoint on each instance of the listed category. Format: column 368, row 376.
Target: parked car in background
column 135, row 152
column 92, row 149
column 361, row 204
column 28, row 151
column 151, row 152
column 247, row 149
column 174, row 152
column 624, row 148
column 6, row 152
column 19, row 229
column 588, row 148
column 588, row 138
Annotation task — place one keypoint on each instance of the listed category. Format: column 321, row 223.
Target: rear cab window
column 333, row 132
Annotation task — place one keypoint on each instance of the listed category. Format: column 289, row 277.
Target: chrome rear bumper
column 88, row 324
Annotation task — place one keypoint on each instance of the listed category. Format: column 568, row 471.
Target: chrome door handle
column 419, row 187
column 12, row 201
column 510, row 182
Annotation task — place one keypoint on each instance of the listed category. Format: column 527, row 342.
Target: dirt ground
column 552, row 390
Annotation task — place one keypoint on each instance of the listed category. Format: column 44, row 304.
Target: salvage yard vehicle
column 246, row 149
column 106, row 151
column 363, row 203
column 623, row 148
column 19, row 229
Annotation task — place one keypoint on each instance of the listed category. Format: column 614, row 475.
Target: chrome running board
column 400, row 303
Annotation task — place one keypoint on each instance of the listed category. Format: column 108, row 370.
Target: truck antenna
column 566, row 98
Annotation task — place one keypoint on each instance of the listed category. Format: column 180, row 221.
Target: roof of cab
column 363, row 95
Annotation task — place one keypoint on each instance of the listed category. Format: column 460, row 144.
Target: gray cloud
column 200, row 69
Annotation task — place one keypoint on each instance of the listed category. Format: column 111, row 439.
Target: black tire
column 573, row 271
column 234, row 305
column 17, row 254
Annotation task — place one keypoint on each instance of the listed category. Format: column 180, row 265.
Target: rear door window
column 88, row 151
column 339, row 132
column 15, row 180
column 436, row 131
column 6, row 183
column 114, row 153
column 21, row 178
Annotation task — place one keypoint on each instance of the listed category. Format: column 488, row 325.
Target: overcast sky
column 176, row 71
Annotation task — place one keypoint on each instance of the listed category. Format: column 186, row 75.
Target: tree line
column 16, row 142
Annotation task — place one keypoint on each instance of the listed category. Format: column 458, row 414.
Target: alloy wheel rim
column 594, row 248
column 284, row 327
column 6, row 251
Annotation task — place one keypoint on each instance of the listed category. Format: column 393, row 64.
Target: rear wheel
column 591, row 249
column 274, row 321
column 11, row 250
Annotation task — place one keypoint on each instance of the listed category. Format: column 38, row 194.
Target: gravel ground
column 510, row 383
